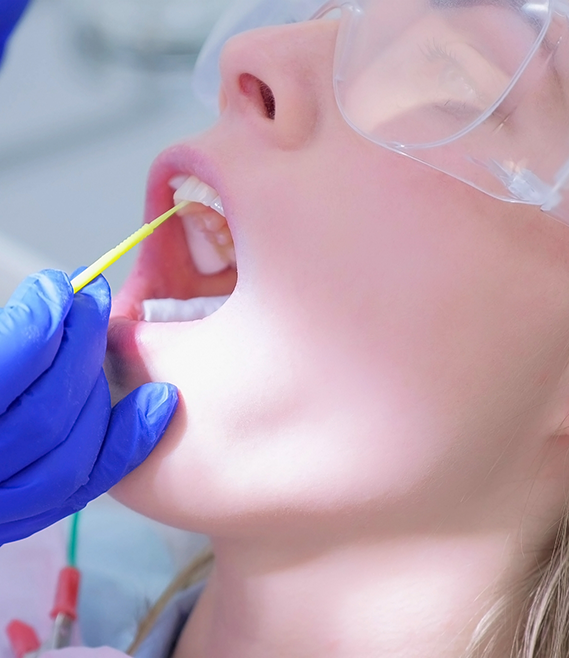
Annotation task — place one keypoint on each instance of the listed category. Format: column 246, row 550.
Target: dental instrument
column 106, row 260
column 23, row 637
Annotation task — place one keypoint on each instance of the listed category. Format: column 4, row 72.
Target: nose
column 280, row 79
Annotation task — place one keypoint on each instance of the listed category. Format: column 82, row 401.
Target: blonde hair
column 541, row 630
column 198, row 569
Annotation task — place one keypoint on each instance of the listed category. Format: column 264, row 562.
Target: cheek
column 447, row 312
column 384, row 347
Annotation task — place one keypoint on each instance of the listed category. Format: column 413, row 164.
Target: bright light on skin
column 380, row 396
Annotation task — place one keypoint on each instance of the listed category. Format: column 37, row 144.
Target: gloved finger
column 51, row 480
column 46, row 412
column 31, row 328
column 142, row 417
column 16, row 530
column 137, row 424
column 10, row 12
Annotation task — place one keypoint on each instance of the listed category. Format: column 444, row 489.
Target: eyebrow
column 516, row 4
column 510, row 4
column 530, row 20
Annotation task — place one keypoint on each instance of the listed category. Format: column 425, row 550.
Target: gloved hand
column 10, row 12
column 61, row 445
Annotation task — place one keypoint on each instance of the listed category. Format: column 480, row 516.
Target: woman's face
column 394, row 338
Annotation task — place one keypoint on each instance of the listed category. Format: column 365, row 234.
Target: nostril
column 260, row 93
column 269, row 100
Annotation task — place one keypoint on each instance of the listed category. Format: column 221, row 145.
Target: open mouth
column 188, row 269
column 210, row 245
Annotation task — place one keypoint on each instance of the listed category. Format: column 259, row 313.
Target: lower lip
column 129, row 344
column 127, row 329
column 122, row 336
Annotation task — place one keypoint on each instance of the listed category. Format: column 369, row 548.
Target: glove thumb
column 137, row 424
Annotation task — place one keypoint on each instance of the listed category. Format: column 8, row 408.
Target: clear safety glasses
column 478, row 89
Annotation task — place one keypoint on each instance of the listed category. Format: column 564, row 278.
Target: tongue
column 181, row 310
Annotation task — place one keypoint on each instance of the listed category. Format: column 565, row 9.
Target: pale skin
column 373, row 428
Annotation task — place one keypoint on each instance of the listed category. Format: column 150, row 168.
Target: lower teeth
column 181, row 310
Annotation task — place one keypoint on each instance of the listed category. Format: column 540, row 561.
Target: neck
column 402, row 598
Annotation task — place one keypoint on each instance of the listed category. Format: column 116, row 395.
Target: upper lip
column 178, row 160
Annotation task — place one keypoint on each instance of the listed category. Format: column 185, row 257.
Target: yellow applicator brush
column 101, row 264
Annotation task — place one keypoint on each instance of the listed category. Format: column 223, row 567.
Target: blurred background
column 90, row 92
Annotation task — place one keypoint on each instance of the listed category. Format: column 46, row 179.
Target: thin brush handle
column 106, row 260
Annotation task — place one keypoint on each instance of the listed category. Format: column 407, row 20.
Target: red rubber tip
column 22, row 637
column 67, row 593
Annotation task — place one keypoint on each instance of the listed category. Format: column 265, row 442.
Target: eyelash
column 438, row 50
column 434, row 50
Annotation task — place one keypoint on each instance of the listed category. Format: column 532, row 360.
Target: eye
column 463, row 82
column 454, row 87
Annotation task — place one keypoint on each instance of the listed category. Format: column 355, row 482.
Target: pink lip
column 178, row 159
column 164, row 267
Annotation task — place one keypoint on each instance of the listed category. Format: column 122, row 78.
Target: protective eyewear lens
column 466, row 86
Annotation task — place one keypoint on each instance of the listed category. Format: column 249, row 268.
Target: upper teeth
column 194, row 190
column 209, row 239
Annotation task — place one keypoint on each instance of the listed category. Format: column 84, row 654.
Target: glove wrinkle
column 31, row 328
column 44, row 415
column 50, row 479
column 61, row 445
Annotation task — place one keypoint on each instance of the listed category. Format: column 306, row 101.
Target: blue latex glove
column 61, row 445
column 10, row 12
